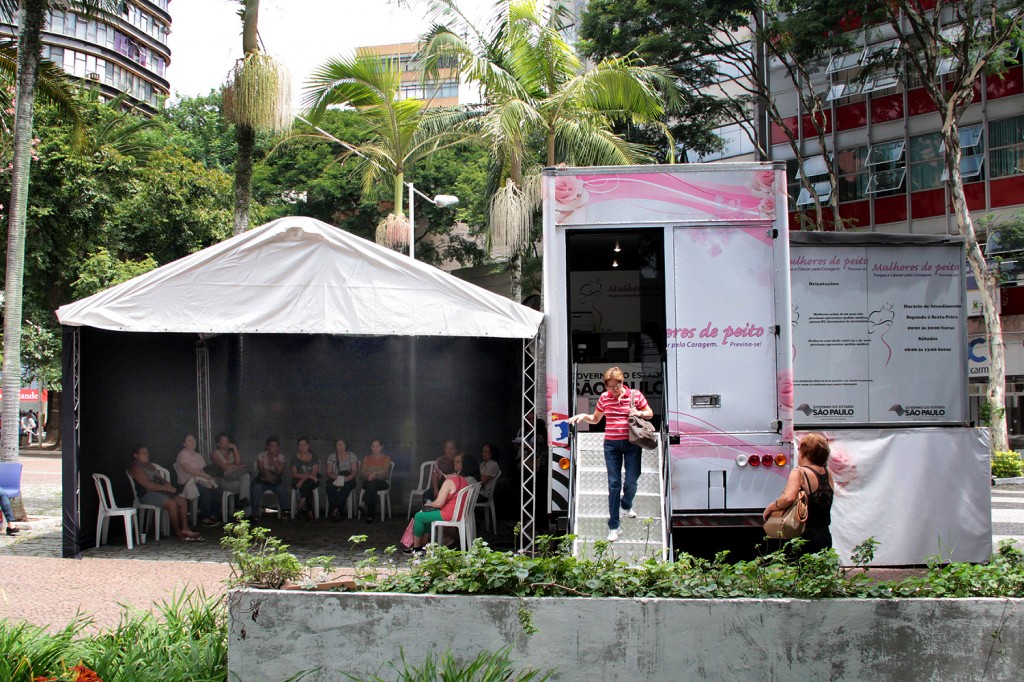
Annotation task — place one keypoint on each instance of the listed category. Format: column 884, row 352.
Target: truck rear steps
column 641, row 538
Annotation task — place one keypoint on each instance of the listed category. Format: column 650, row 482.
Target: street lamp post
column 441, row 201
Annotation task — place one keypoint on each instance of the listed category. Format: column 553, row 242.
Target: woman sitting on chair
column 305, row 476
column 376, row 466
column 159, row 492
column 440, row 509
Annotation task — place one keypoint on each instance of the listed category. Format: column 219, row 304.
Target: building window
column 972, row 154
column 926, row 161
column 853, row 173
column 886, row 169
column 846, row 78
column 816, row 170
column 1006, row 147
column 56, row 22
column 735, row 142
column 841, row 62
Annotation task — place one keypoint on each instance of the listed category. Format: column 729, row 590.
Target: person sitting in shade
column 159, row 492
column 237, row 474
column 190, row 467
column 305, row 476
column 269, row 476
column 467, row 467
column 436, row 477
column 375, row 478
column 489, row 471
column 342, row 469
column 442, row 508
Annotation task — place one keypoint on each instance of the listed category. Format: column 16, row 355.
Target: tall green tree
column 401, row 131
column 724, row 50
column 542, row 104
column 31, row 18
column 197, row 126
column 947, row 46
column 679, row 35
column 258, row 97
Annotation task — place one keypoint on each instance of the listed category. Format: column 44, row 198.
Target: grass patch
column 185, row 640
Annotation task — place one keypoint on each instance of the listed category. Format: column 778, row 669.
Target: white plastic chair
column 488, row 506
column 227, row 500
column 275, row 505
column 383, row 496
column 462, row 517
column 416, row 496
column 350, row 501
column 316, row 501
column 109, row 508
column 227, row 506
column 160, row 520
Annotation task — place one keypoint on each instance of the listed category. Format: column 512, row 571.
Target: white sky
column 206, row 36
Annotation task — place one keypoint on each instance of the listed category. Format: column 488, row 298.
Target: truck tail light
column 767, row 460
column 754, row 461
column 741, row 460
column 781, row 460
column 563, row 463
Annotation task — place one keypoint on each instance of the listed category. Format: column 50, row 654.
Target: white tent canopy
column 302, row 276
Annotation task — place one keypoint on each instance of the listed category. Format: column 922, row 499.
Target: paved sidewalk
column 49, row 592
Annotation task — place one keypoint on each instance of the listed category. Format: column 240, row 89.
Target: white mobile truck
column 679, row 275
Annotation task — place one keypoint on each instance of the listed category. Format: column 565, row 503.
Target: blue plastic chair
column 10, row 478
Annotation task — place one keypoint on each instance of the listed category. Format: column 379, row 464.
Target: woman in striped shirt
column 617, row 404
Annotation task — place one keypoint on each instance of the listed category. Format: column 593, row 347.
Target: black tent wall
column 412, row 392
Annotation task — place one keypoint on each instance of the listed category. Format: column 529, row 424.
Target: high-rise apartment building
column 442, row 91
column 120, row 53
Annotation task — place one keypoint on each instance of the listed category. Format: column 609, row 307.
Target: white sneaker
column 613, row 535
column 629, row 513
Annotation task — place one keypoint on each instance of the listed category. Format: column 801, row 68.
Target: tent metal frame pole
column 71, row 428
column 528, row 449
column 76, row 380
column 204, row 429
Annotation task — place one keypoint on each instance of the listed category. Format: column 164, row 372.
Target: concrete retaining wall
column 275, row 634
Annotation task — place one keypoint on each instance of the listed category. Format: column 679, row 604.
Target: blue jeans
column 5, row 505
column 337, row 496
column 615, row 451
column 210, row 501
column 279, row 489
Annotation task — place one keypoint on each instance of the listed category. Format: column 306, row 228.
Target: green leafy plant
column 258, row 559
column 185, row 640
column 785, row 573
column 525, row 616
column 485, row 667
column 1007, row 464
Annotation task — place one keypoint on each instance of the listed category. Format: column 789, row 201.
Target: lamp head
column 445, row 200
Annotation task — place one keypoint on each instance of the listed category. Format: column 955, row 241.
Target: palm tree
column 257, row 97
column 32, row 19
column 401, row 131
column 543, row 103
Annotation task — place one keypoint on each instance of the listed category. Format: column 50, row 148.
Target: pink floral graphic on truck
column 716, row 195
column 570, row 194
column 763, row 186
column 785, row 382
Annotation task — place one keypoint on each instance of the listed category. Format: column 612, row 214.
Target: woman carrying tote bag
column 618, row 404
column 812, row 462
